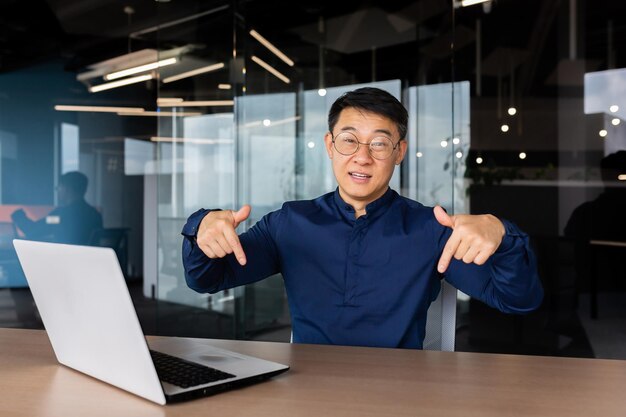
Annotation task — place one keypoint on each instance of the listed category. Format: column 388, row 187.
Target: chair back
column 115, row 238
column 441, row 320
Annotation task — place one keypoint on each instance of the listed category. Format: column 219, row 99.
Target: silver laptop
column 89, row 316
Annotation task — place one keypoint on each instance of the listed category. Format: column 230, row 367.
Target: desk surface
column 331, row 381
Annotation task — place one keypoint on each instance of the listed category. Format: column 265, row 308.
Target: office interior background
column 514, row 105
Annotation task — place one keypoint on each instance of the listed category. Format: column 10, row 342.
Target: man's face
column 362, row 178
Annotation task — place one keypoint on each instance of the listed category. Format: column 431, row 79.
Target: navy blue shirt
column 364, row 281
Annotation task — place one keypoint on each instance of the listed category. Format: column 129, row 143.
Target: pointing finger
column 448, row 252
column 235, row 245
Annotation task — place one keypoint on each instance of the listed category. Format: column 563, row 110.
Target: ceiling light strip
column 207, row 103
column 191, row 73
column 200, row 141
column 169, row 100
column 140, row 68
column 465, row 3
column 256, row 35
column 270, row 69
column 160, row 114
column 99, row 109
column 120, row 83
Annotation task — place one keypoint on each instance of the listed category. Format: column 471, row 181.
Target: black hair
column 372, row 100
column 75, row 181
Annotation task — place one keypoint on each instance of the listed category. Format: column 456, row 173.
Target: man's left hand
column 474, row 237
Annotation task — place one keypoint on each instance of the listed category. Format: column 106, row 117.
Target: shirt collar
column 372, row 209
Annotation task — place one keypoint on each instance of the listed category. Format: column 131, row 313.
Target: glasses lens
column 346, row 143
column 381, row 147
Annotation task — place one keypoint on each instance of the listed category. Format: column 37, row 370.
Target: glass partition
column 516, row 109
column 283, row 80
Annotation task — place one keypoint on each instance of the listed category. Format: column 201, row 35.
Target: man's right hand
column 216, row 234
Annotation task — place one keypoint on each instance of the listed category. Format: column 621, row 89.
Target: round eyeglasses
column 381, row 147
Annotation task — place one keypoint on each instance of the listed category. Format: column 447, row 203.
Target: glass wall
column 282, row 78
column 515, row 109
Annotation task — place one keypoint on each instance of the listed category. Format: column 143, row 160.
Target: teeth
column 360, row 175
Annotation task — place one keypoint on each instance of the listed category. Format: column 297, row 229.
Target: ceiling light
column 614, row 108
column 98, row 109
column 479, row 160
column 191, row 73
column 160, row 113
column 456, row 141
column 224, row 86
column 140, row 68
column 419, row 154
column 615, row 121
column 603, row 133
column 120, row 83
column 271, row 69
column 267, row 122
column 459, row 155
column 271, row 47
column 321, row 92
column 522, row 155
column 444, row 143
column 165, row 100
column 311, row 145
column 621, row 177
column 466, row 3
column 206, row 103
column 504, row 128
column 512, row 111
column 198, row 141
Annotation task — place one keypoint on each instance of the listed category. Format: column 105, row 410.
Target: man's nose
column 363, row 154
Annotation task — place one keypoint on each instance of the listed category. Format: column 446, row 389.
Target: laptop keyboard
column 185, row 374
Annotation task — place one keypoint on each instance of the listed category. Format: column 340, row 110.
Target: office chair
column 441, row 321
column 114, row 238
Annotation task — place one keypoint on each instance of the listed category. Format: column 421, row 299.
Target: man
column 600, row 219
column 603, row 217
column 72, row 222
column 362, row 264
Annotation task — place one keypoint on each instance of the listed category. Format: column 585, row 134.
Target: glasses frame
column 359, row 143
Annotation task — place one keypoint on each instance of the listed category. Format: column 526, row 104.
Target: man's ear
column 328, row 141
column 402, row 148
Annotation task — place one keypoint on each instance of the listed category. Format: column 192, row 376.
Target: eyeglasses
column 381, row 147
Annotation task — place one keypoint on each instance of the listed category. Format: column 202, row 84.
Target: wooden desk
column 331, row 381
